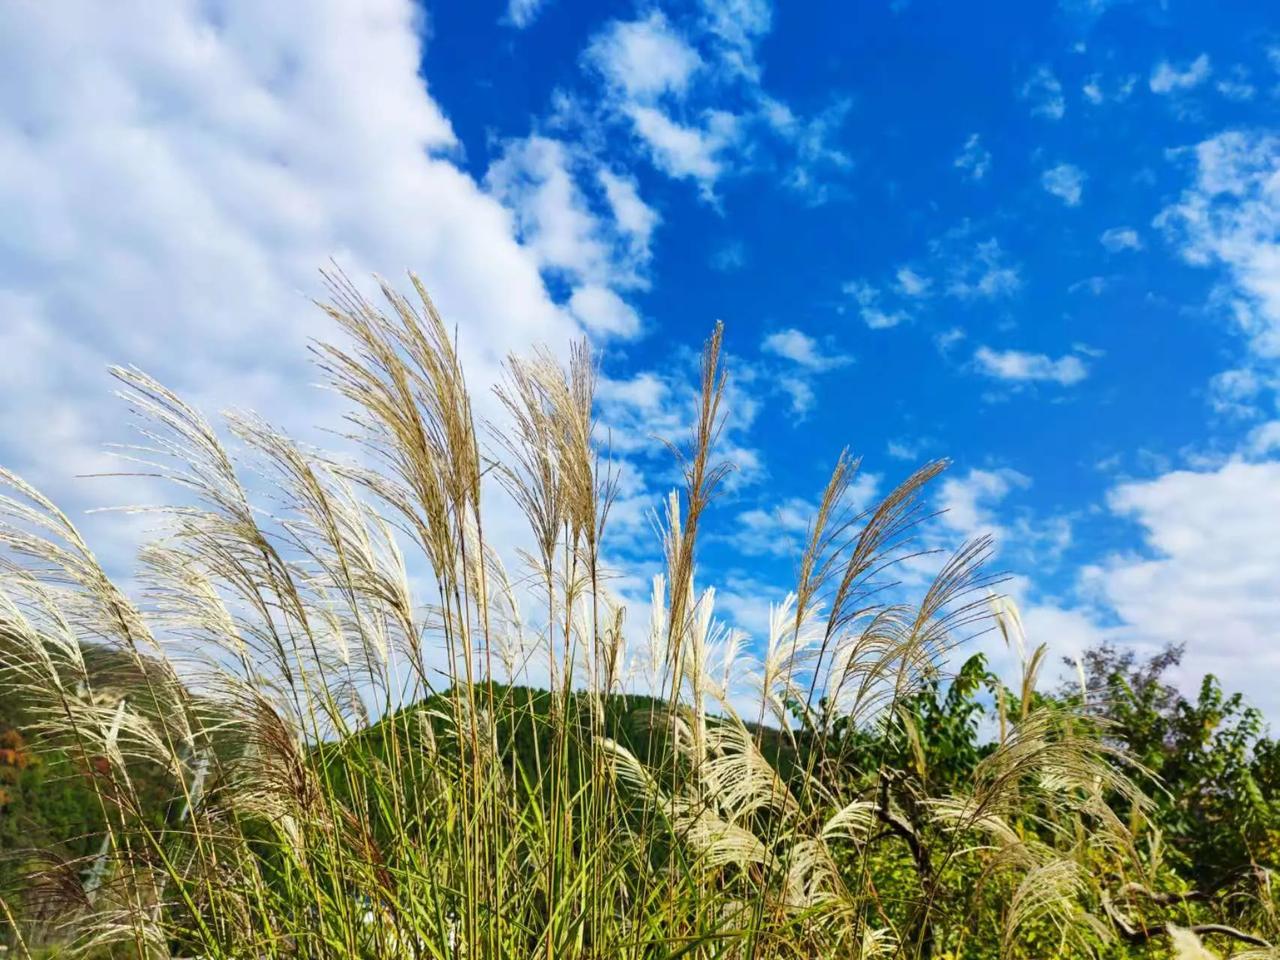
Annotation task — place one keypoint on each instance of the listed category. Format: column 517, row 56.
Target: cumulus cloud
column 913, row 284
column 1207, row 572
column 1117, row 239
column 1066, row 182
column 968, row 501
column 635, row 219
column 173, row 175
column 572, row 238
column 554, row 221
column 803, row 350
column 1169, row 78
column 686, row 152
column 1023, row 367
column 602, row 311
column 644, row 58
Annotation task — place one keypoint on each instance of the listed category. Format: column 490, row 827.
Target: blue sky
column 1041, row 240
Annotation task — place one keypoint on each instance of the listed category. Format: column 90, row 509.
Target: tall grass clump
column 374, row 741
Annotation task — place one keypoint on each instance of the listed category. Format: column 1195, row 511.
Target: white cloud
column 644, row 58
column 1167, row 78
column 522, row 13
column 172, row 177
column 1066, row 182
column 957, row 266
column 878, row 319
column 1095, row 90
column 634, row 217
column 814, row 156
column 640, row 413
column 968, row 502
column 1044, row 92
column 867, row 298
column 685, row 152
column 1230, row 218
column 799, row 390
column 603, row 312
column 947, row 339
column 982, row 273
column 729, row 257
column 1237, row 86
column 912, row 284
column 739, row 24
column 904, row 449
column 805, row 358
column 1117, row 239
column 533, row 179
column 1019, row 366
column 1208, row 574
column 1096, row 285
column 974, row 159
column 690, row 90
column 802, row 349
column 1236, row 392
column 1264, row 439
column 781, row 529
column 778, row 531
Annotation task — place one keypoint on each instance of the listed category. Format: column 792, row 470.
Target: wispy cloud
column 690, row 91
column 806, row 358
column 522, row 13
column 974, row 159
column 729, row 256
column 1237, row 86
column 868, row 301
column 1043, row 91
column 1097, row 90
column 982, row 272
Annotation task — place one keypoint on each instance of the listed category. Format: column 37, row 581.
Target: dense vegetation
column 286, row 746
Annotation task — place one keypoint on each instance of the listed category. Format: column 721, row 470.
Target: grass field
column 331, row 684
